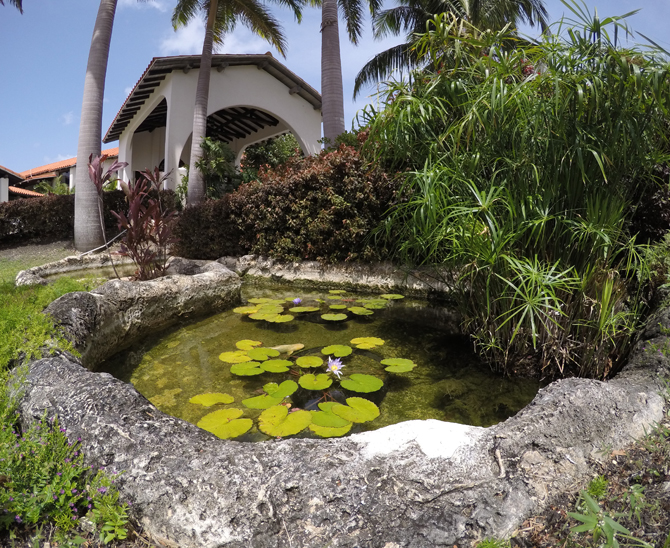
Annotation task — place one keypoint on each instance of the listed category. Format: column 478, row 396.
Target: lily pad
column 247, row 344
column 212, row 398
column 398, row 365
column 246, row 369
column 278, row 422
column 281, row 318
column 337, row 350
column 262, row 354
column 327, row 418
column 356, row 410
column 336, row 291
column 303, row 309
column 333, row 297
column 330, row 432
column 358, row 382
column 260, row 300
column 225, row 423
column 245, row 309
column 392, row 296
column 333, row 317
column 375, row 305
column 276, row 366
column 360, row 311
column 263, row 316
column 315, row 382
column 366, row 343
column 309, row 361
column 281, row 390
column 338, row 306
column 236, row 356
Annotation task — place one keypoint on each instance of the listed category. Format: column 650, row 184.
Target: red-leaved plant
column 147, row 225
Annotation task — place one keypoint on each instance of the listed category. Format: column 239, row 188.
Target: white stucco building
column 251, row 98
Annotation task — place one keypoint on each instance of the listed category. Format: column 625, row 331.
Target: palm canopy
column 413, row 17
column 17, row 3
column 251, row 13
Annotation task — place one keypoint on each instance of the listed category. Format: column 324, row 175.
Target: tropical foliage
column 523, row 164
column 414, row 18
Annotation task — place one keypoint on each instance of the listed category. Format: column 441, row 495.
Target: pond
column 221, row 374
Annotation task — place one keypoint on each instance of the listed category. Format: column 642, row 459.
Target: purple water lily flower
column 334, row 366
column 297, row 300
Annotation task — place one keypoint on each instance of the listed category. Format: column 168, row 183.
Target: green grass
column 27, row 258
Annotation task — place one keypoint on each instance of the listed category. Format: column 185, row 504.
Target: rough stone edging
column 419, row 483
column 35, row 275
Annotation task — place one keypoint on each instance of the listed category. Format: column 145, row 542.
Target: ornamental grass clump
column 523, row 163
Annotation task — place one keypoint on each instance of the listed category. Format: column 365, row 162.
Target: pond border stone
column 413, row 484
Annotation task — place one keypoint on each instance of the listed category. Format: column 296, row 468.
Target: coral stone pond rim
column 282, row 370
column 416, row 483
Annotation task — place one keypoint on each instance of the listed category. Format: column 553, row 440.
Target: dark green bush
column 52, row 217
column 319, row 208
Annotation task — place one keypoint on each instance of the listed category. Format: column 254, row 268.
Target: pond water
column 447, row 382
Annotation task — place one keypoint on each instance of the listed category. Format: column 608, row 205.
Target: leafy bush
column 523, row 162
column 320, row 208
column 268, row 154
column 44, row 478
column 48, row 218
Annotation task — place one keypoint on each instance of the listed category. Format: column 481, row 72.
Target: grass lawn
column 15, row 259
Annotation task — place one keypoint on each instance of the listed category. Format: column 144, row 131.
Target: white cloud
column 160, row 5
column 68, row 118
column 244, row 41
column 186, row 41
column 57, row 158
column 127, row 90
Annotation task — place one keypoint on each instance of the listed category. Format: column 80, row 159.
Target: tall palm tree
column 412, row 17
column 331, row 64
column 221, row 18
column 87, row 230
column 17, row 3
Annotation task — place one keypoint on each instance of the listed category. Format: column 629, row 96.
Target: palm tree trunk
column 332, row 93
column 196, row 183
column 87, row 229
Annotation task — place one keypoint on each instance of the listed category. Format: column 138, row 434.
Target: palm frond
column 382, row 65
column 18, row 4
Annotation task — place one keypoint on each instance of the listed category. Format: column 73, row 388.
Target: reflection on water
column 449, row 383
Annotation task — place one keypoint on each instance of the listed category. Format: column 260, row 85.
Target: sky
column 44, row 53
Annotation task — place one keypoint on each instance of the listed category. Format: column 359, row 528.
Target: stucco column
column 4, row 189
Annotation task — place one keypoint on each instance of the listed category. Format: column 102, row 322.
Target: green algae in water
column 448, row 383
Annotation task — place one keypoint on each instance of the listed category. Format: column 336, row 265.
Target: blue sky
column 44, row 54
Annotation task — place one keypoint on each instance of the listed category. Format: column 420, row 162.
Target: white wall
column 4, row 189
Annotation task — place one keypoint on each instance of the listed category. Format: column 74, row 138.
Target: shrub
column 320, row 208
column 49, row 218
column 268, row 154
column 522, row 164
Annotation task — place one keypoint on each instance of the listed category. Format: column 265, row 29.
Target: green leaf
column 309, row 361
column 278, row 422
column 398, row 365
column 366, row 343
column 375, row 305
column 259, row 300
column 315, row 382
column 281, row 318
column 276, row 366
column 225, row 423
column 356, row 410
column 337, row 350
column 282, row 390
column 245, row 309
column 327, row 418
column 212, row 398
column 333, row 317
column 263, row 316
column 247, row 344
column 360, row 311
column 392, row 296
column 359, row 382
column 246, row 369
column 329, row 431
column 304, row 309
column 237, row 356
column 338, row 306
column 262, row 354
column 337, row 291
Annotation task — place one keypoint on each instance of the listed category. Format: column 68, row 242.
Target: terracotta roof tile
column 3, row 168
column 55, row 166
column 23, row 191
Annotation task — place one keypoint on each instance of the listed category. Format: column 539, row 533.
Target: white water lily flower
column 334, row 366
